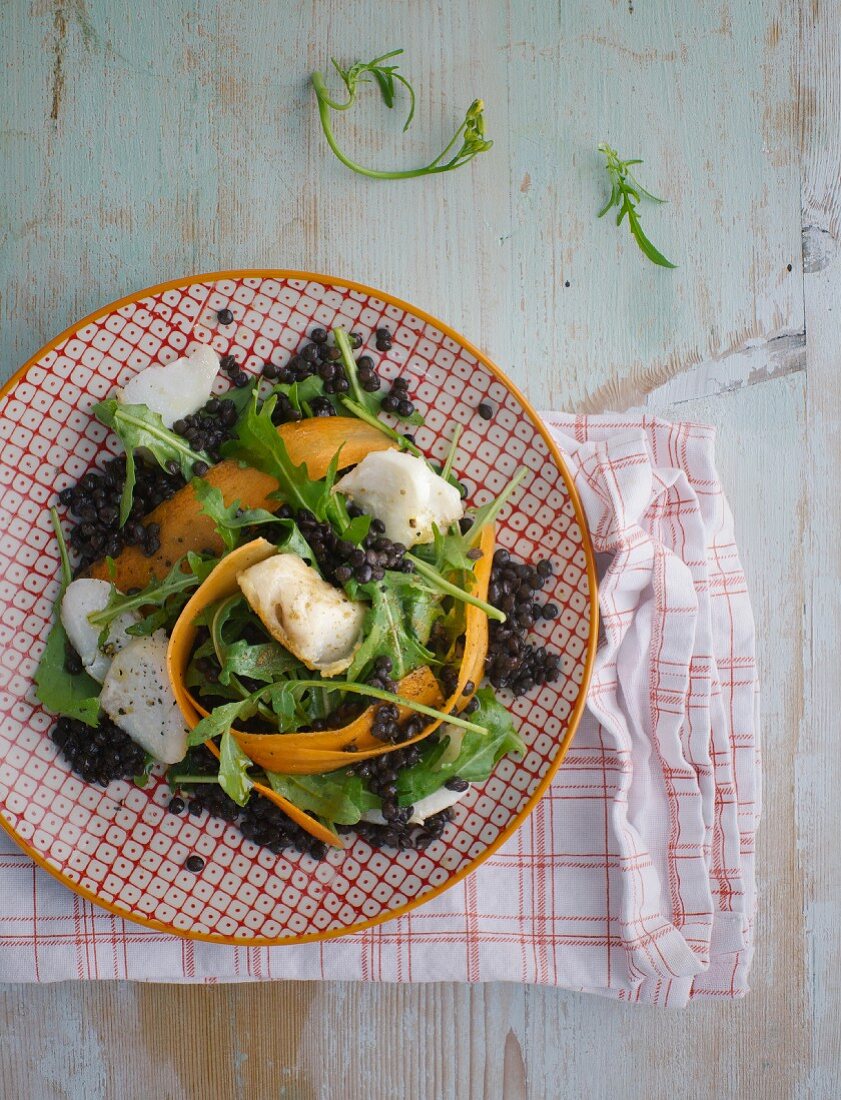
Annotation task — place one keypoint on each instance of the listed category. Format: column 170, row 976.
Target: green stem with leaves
column 471, row 131
column 626, row 192
column 449, row 589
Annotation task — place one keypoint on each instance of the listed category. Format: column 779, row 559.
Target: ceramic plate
column 118, row 846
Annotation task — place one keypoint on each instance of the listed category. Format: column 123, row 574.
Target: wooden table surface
column 143, row 141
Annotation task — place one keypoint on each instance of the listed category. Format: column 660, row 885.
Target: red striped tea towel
column 634, row 877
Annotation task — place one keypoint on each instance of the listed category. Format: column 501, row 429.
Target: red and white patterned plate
column 119, row 847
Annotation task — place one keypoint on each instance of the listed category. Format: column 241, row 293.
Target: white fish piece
column 433, row 804
column 137, row 696
column 83, row 597
column 403, row 492
column 311, row 618
column 176, row 390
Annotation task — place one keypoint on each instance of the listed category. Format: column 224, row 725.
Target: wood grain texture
column 143, row 141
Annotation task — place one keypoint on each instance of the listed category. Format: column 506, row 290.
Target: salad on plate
column 277, row 601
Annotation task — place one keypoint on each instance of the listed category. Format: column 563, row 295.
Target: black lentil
column 99, row 754
column 486, row 410
column 400, row 835
column 94, row 504
column 195, row 864
column 456, row 784
column 340, row 560
column 225, row 317
column 513, row 661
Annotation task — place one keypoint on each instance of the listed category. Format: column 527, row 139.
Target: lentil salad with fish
column 312, row 665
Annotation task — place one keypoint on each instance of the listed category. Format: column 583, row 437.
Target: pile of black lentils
column 339, row 560
column 98, row 755
column 513, row 662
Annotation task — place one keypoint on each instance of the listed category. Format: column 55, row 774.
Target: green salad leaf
column 258, row 444
column 368, row 405
column 137, row 426
column 397, row 625
column 64, row 693
column 264, row 662
column 233, row 770
column 339, row 797
column 143, row 777
column 285, row 699
column 473, row 757
column 300, row 394
column 231, row 520
column 168, row 596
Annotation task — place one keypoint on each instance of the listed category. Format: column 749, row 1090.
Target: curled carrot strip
column 221, row 582
column 307, row 823
column 304, row 757
column 270, row 750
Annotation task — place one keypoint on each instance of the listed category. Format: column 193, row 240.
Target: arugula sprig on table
column 626, row 192
column 471, row 131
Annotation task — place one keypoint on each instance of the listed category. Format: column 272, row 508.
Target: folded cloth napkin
column 634, row 877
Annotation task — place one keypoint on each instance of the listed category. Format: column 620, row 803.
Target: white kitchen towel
column 634, row 877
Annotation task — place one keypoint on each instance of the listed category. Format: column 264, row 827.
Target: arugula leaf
column 73, row 696
column 233, row 770
column 240, row 398
column 221, row 719
column 397, row 625
column 285, row 697
column 70, row 695
column 448, row 588
column 338, row 797
column 201, row 566
column 160, row 594
column 476, row 758
column 358, row 528
column 199, row 684
column 301, row 393
column 258, row 444
column 488, row 512
column 471, row 131
column 449, row 553
column 447, row 468
column 137, row 426
column 626, row 193
column 264, row 662
column 231, row 519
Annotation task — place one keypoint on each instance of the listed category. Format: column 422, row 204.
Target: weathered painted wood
column 141, row 141
column 818, row 765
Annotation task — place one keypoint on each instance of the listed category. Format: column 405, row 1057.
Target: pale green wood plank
column 818, row 772
column 700, row 93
